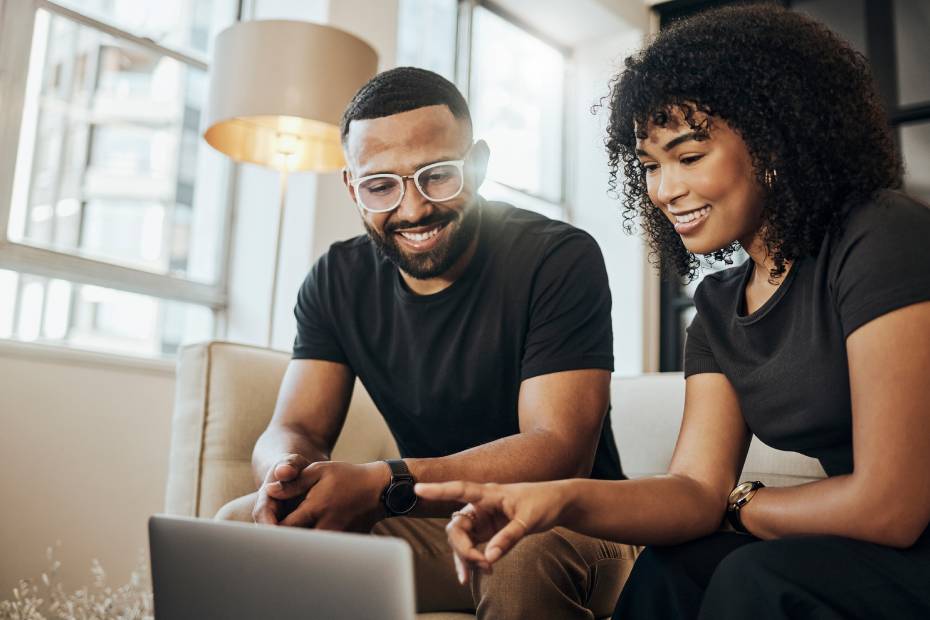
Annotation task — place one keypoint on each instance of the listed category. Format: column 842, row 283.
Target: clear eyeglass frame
column 401, row 180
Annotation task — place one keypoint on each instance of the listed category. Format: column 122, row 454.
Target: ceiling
column 572, row 23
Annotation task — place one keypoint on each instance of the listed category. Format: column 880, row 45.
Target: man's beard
column 461, row 230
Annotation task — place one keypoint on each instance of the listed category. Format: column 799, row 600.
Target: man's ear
column 347, row 180
column 480, row 153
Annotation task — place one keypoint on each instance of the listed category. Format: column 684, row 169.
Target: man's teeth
column 692, row 215
column 423, row 236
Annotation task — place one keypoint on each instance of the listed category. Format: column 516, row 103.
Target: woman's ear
column 478, row 162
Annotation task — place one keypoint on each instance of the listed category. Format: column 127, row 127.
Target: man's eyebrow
column 415, row 168
column 685, row 137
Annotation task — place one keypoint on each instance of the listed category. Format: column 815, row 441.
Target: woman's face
column 703, row 181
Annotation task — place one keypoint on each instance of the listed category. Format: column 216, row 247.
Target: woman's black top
column 787, row 360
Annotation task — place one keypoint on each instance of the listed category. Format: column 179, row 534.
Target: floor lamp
column 277, row 91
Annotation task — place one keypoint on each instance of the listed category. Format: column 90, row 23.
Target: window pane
column 189, row 24
column 51, row 311
column 517, row 100
column 915, row 146
column 109, row 153
column 912, row 23
column 495, row 191
column 844, row 17
column 426, row 35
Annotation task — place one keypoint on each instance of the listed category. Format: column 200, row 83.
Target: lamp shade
column 278, row 89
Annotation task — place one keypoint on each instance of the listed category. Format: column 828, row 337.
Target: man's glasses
column 437, row 182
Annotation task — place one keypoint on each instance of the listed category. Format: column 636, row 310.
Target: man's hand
column 333, row 495
column 270, row 510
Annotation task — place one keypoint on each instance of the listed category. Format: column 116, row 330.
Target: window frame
column 17, row 22
column 463, row 80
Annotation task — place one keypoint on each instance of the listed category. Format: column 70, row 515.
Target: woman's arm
column 886, row 499
column 686, row 503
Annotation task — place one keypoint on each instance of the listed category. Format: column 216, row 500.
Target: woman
column 757, row 128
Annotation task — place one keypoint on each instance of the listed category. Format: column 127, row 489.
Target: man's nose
column 413, row 206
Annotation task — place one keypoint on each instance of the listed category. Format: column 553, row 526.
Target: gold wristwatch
column 738, row 498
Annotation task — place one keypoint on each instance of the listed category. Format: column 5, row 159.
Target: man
column 482, row 333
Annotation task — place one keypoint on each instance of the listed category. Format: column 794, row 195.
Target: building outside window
column 515, row 82
column 114, row 217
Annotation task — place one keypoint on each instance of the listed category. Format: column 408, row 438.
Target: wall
column 83, row 459
column 595, row 63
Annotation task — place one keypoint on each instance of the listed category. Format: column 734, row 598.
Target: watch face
column 400, row 498
column 740, row 493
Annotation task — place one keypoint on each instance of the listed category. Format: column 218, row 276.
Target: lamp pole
column 277, row 252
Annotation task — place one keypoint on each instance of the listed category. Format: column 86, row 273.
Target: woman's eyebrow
column 685, row 137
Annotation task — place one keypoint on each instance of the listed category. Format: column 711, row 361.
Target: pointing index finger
column 467, row 492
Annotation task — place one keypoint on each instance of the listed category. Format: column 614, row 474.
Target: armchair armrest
column 225, row 396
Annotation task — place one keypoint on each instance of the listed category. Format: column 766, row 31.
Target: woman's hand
column 499, row 514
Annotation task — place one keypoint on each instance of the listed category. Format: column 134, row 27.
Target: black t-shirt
column 445, row 369
column 787, row 360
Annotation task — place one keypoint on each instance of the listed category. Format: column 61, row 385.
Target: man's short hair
column 401, row 90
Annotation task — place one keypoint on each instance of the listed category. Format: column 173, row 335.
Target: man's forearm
column 525, row 457
column 277, row 441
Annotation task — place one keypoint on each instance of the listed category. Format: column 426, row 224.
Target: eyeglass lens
column 381, row 193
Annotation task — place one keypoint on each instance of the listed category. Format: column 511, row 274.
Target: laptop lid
column 236, row 571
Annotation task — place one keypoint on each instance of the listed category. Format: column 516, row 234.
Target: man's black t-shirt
column 445, row 369
column 787, row 360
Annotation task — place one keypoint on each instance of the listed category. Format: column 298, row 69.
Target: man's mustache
column 429, row 220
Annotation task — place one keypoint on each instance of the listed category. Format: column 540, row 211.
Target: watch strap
column 734, row 519
column 399, row 470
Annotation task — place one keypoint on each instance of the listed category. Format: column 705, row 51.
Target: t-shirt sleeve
column 569, row 323
column 316, row 337
column 698, row 355
column 881, row 261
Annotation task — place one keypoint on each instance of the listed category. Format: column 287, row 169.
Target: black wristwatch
column 738, row 498
column 398, row 497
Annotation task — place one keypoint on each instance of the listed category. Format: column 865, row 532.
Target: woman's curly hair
column 802, row 100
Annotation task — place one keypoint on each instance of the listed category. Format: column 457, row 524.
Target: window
column 515, row 83
column 516, row 95
column 113, row 220
column 426, row 34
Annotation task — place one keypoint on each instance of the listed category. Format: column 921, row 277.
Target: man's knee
column 239, row 509
column 548, row 556
column 544, row 574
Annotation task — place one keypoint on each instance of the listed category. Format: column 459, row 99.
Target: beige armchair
column 226, row 394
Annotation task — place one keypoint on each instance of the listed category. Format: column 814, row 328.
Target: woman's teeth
column 423, row 236
column 692, row 215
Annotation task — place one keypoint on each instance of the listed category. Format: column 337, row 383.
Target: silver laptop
column 204, row 569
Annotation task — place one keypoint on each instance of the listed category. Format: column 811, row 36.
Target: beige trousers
column 557, row 574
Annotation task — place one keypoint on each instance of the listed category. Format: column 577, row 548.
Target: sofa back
column 646, row 417
column 226, row 394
